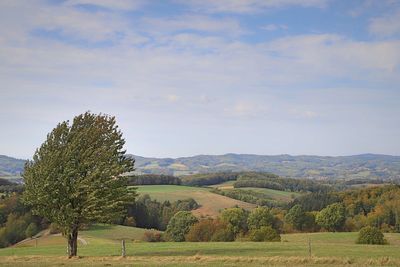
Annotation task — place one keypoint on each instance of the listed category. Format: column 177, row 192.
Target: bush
column 204, row 230
column 371, row 235
column 265, row 233
column 130, row 221
column 179, row 225
column 31, row 230
column 236, row 219
column 152, row 236
column 259, row 217
column 223, row 235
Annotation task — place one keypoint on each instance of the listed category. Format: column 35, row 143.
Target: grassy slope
column 210, row 203
column 269, row 193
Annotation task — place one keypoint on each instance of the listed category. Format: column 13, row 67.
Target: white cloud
column 274, row 27
column 192, row 22
column 247, row 6
column 111, row 4
column 386, row 26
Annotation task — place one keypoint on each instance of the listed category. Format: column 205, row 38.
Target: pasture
column 210, row 203
column 100, row 249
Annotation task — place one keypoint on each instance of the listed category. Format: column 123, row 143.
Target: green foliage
column 272, row 181
column 296, row 217
column 179, row 225
column 259, row 217
column 75, row 176
column 265, row 233
column 31, row 230
column 153, row 179
column 151, row 214
column 308, row 201
column 371, row 235
column 332, row 217
column 209, row 178
column 236, row 219
column 250, row 196
column 223, row 235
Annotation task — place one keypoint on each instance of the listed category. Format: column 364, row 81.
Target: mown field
column 210, row 203
column 101, row 247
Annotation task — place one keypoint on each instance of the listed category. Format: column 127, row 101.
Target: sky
column 189, row 77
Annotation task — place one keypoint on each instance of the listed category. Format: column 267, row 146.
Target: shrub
column 259, row 217
column 179, row 225
column 130, row 221
column 371, row 235
column 265, row 233
column 31, row 230
column 152, row 236
column 223, row 235
column 204, row 230
column 236, row 219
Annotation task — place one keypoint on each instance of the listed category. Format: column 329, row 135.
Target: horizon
column 239, row 154
column 296, row 77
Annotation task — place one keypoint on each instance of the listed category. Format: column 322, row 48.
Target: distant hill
column 365, row 166
column 11, row 167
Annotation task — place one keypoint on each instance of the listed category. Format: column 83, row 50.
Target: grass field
column 328, row 249
column 277, row 195
column 210, row 203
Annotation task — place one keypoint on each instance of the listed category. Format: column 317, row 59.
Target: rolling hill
column 11, row 167
column 366, row 166
column 210, row 203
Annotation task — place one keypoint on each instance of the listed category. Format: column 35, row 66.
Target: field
column 210, row 203
column 282, row 196
column 100, row 249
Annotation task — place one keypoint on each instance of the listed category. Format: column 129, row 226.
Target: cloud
column 248, row 6
column 198, row 23
column 274, row 27
column 386, row 26
column 110, row 4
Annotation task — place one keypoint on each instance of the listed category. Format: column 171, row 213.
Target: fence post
column 309, row 247
column 123, row 248
column 36, row 241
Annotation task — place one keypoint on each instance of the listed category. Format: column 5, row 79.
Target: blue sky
column 188, row 77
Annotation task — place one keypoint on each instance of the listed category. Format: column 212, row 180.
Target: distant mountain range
column 365, row 166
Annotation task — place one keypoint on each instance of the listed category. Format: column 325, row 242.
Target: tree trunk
column 73, row 242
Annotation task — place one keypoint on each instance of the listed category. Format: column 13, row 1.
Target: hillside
column 366, row 166
column 210, row 203
column 11, row 167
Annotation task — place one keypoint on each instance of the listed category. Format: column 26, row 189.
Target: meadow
column 210, row 203
column 100, row 246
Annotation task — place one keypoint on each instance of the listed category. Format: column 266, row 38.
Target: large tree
column 75, row 176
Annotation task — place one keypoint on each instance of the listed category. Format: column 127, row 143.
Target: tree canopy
column 75, row 175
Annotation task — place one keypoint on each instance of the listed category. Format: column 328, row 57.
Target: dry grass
column 196, row 260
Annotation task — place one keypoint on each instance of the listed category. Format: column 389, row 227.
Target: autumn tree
column 75, row 177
